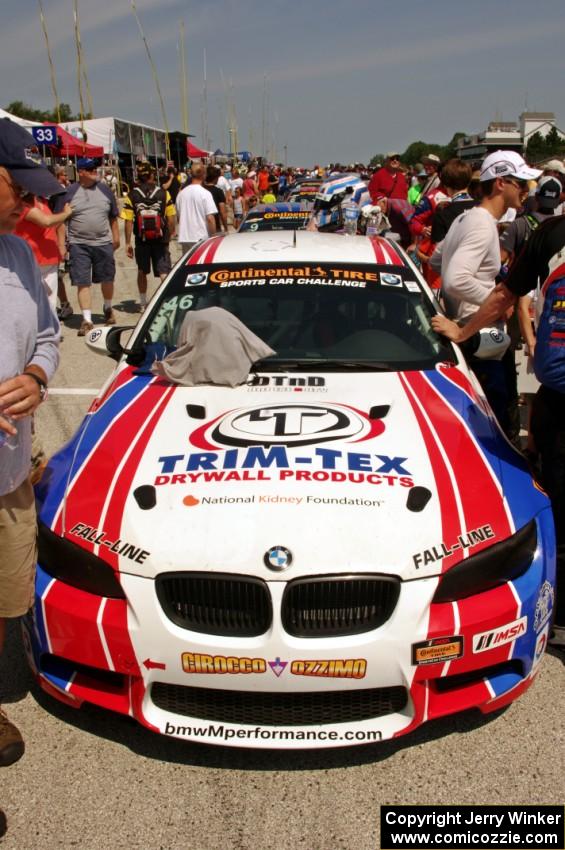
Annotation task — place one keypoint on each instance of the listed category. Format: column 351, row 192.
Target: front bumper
column 279, row 691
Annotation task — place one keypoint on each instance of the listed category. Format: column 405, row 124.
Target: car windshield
column 360, row 316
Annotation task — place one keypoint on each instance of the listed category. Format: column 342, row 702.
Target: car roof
column 287, row 246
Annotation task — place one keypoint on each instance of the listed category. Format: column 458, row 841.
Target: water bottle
column 372, row 225
column 10, row 441
column 350, row 215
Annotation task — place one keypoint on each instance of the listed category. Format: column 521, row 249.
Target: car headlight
column 68, row 562
column 491, row 567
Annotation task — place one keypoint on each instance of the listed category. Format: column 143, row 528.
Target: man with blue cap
column 29, row 355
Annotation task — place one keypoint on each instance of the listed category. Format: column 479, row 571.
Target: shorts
column 18, row 551
column 154, row 254
column 91, row 264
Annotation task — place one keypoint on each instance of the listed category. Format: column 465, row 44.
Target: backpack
column 149, row 216
column 549, row 355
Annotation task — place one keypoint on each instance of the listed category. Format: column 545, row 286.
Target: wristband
column 42, row 385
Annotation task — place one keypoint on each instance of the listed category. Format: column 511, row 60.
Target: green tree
column 450, row 150
column 554, row 143
column 24, row 110
column 536, row 148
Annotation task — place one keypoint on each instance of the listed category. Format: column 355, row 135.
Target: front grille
column 338, row 605
column 215, row 604
column 260, row 708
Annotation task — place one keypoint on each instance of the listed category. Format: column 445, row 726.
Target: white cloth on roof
column 214, row 347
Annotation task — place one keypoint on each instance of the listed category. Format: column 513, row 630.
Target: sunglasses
column 18, row 191
column 521, row 185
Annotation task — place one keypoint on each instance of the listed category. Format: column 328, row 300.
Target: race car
column 303, row 191
column 333, row 196
column 332, row 552
column 280, row 216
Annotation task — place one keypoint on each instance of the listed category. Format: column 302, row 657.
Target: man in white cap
column 431, row 164
column 469, row 258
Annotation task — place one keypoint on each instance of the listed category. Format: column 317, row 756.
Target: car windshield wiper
column 268, row 365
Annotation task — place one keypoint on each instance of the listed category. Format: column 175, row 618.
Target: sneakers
column 3, row 824
column 65, row 311
column 109, row 316
column 85, row 328
column 557, row 639
column 11, row 742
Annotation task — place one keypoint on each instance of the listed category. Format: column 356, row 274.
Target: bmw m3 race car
column 279, row 216
column 332, row 553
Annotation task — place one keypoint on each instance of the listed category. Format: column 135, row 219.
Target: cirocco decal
column 195, row 662
column 501, row 635
column 340, row 668
column 119, row 547
column 442, row 550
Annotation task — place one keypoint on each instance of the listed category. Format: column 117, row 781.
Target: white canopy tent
column 23, row 122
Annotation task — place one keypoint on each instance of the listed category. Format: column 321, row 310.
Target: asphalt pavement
column 93, row 780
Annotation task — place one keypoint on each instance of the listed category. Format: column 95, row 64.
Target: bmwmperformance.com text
column 461, row 827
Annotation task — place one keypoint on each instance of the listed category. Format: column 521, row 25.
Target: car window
column 310, row 312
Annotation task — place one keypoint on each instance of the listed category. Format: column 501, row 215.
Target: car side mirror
column 107, row 340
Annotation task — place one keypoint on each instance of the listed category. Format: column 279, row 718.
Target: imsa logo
column 498, row 637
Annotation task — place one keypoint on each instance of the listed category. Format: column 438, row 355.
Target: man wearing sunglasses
column 94, row 235
column 29, row 355
column 469, row 261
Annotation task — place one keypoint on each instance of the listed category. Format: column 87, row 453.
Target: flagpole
column 51, row 66
column 156, row 78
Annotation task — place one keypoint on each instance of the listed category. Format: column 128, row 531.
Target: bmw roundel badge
column 278, row 558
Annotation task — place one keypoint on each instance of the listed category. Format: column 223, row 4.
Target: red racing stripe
column 441, row 621
column 122, row 487
column 196, row 256
column 211, row 253
column 70, row 621
column 86, row 499
column 377, row 248
column 395, row 258
column 482, row 505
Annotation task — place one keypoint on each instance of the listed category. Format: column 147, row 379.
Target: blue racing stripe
column 61, row 468
column 42, row 580
column 524, row 500
column 503, row 682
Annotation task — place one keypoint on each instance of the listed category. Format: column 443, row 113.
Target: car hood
column 393, row 473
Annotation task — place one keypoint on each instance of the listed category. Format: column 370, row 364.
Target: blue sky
column 345, row 80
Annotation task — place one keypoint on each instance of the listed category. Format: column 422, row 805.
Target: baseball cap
column 507, row 164
column 554, row 165
column 548, row 192
column 86, row 162
column 422, row 173
column 393, row 155
column 251, row 174
column 431, row 157
column 144, row 169
column 19, row 156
